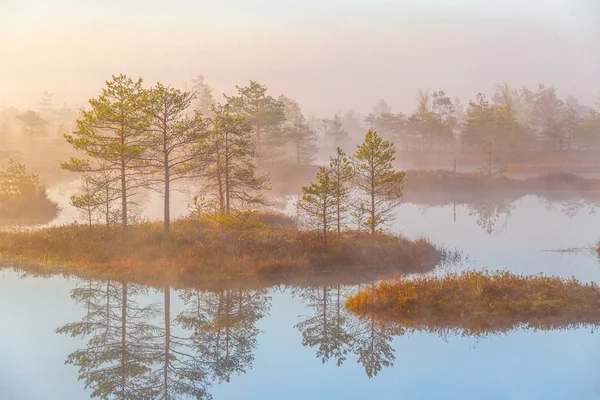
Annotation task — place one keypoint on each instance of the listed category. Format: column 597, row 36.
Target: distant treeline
column 515, row 119
column 132, row 136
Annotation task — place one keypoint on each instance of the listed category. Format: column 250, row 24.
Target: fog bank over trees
column 329, row 56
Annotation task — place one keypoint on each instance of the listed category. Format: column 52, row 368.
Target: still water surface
column 291, row 342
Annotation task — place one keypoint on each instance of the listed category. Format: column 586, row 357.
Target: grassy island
column 476, row 302
column 214, row 246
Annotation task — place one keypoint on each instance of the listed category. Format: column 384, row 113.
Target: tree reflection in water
column 116, row 360
column 223, row 327
column 488, row 212
column 328, row 328
column 492, row 212
column 335, row 332
column 136, row 351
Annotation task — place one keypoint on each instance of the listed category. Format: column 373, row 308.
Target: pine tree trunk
column 258, row 146
column 227, row 178
column 123, row 195
column 372, row 198
column 325, row 227
column 167, row 216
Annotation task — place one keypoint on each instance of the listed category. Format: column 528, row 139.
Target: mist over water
column 491, row 111
column 294, row 320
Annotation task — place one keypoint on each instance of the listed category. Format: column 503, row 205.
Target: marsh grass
column 209, row 247
column 480, row 302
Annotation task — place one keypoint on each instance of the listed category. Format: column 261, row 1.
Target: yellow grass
column 480, row 302
column 268, row 245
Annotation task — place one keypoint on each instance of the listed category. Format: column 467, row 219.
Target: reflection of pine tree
column 570, row 206
column 327, row 329
column 176, row 368
column 335, row 332
column 115, row 360
column 132, row 352
column 488, row 211
column 371, row 343
column 224, row 327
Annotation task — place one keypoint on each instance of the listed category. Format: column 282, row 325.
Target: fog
column 157, row 245
column 328, row 55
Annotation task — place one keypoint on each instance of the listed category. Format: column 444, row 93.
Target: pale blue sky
column 328, row 54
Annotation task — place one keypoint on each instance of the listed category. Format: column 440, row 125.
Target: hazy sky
column 328, row 54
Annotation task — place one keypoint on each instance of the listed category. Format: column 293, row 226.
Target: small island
column 480, row 302
column 212, row 247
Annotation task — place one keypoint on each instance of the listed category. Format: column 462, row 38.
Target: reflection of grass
column 573, row 250
column 478, row 302
column 211, row 246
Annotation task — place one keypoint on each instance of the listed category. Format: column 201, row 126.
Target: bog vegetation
column 23, row 201
column 240, row 244
column 480, row 302
column 134, row 137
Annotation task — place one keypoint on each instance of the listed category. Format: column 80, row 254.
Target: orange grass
column 478, row 302
column 268, row 245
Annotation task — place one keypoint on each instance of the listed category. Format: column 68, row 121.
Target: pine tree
column 375, row 176
column 318, row 202
column 88, row 202
column 112, row 134
column 334, row 130
column 172, row 139
column 298, row 132
column 227, row 163
column 203, row 100
column 32, row 126
column 263, row 112
column 341, row 173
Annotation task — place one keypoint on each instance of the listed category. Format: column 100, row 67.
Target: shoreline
column 197, row 253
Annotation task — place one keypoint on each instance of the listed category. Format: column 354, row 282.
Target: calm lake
column 68, row 338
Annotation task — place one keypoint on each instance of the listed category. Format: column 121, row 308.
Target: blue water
column 290, row 342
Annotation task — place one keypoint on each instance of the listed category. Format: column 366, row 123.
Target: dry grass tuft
column 479, row 302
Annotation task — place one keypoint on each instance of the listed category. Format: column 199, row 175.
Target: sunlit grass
column 267, row 245
column 480, row 301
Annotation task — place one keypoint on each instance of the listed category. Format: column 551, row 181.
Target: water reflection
column 569, row 206
column 488, row 213
column 334, row 332
column 223, row 327
column 142, row 351
column 492, row 212
column 117, row 361
column 327, row 329
column 136, row 345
